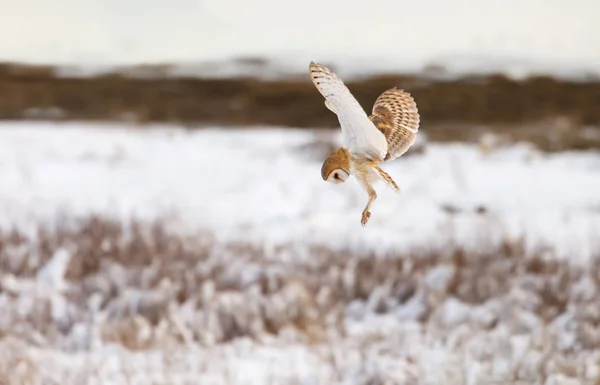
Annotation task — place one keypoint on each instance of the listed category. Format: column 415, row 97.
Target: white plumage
column 360, row 136
column 367, row 140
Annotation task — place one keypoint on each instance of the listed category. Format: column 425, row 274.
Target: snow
column 532, row 35
column 436, row 322
column 53, row 272
column 264, row 185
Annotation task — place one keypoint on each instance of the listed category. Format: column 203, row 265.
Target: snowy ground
column 484, row 270
column 265, row 185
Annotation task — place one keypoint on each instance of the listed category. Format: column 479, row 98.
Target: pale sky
column 133, row 31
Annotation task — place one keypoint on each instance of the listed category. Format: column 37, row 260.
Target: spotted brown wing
column 395, row 114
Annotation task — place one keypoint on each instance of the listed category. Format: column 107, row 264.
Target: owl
column 368, row 140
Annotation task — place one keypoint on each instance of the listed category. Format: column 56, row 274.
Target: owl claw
column 365, row 217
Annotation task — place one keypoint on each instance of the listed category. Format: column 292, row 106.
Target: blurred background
column 163, row 218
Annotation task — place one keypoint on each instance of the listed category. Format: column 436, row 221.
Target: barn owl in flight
column 367, row 140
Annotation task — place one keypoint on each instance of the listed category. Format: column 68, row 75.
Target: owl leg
column 366, row 214
column 387, row 178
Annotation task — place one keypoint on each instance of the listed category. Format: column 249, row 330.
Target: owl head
column 336, row 168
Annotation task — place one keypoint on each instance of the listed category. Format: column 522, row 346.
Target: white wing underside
column 360, row 136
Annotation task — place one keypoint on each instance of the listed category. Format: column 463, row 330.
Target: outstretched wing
column 361, row 137
column 395, row 114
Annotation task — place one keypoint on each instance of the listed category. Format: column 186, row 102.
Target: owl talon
column 365, row 218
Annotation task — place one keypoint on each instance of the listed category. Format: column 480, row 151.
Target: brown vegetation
column 447, row 107
column 148, row 256
column 156, row 289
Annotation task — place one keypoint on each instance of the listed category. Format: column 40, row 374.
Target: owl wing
column 360, row 135
column 395, row 114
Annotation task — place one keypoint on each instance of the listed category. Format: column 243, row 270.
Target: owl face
column 337, row 176
column 336, row 168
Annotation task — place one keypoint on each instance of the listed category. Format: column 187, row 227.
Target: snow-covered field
column 484, row 269
column 265, row 185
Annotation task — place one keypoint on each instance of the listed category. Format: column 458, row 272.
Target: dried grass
column 552, row 113
column 141, row 287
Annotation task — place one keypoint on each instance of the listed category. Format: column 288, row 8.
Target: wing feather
column 395, row 114
column 361, row 137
